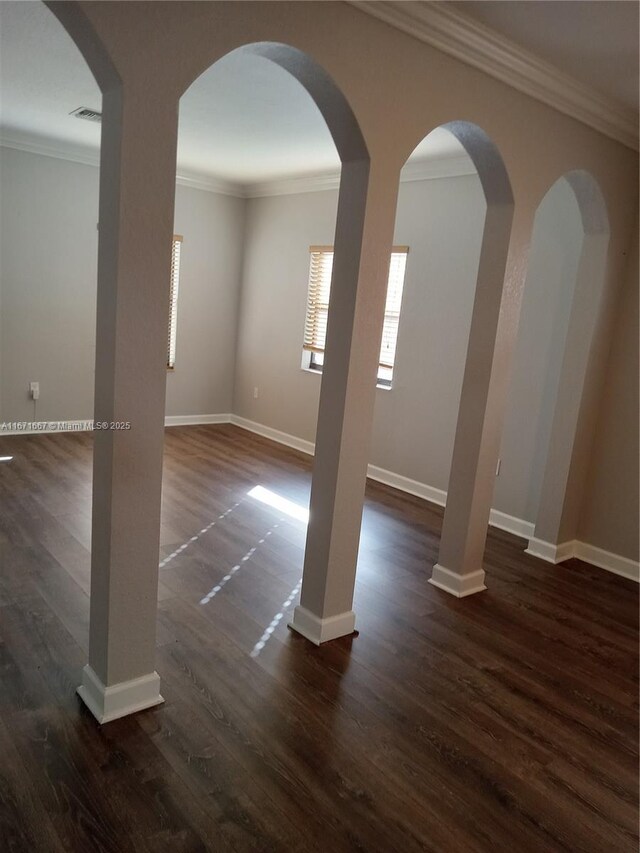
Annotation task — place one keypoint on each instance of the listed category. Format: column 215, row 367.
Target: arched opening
column 454, row 213
column 255, row 128
column 549, row 421
column 54, row 265
column 50, row 189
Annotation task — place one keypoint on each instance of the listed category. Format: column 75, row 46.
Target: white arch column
column 137, row 187
column 459, row 568
column 363, row 241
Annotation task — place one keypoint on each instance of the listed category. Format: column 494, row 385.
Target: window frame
column 313, row 357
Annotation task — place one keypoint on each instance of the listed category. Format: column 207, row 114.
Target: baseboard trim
column 517, row 526
column 277, row 435
column 622, row 566
column 406, row 484
column 501, row 520
column 511, row 524
column 195, row 420
column 549, row 551
column 319, row 630
column 459, row 585
column 614, row 563
column 119, row 700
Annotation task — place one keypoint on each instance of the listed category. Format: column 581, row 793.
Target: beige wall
column 48, row 292
column 610, row 510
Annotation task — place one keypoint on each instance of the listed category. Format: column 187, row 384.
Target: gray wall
column 241, row 315
column 49, row 240
column 49, row 211
column 441, row 221
column 546, row 306
column 212, row 226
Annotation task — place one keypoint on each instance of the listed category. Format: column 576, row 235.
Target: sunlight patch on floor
column 266, row 496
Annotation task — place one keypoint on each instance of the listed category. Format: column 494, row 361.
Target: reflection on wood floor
column 506, row 721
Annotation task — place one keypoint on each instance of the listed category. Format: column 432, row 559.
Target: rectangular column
column 137, row 188
column 363, row 242
column 459, row 568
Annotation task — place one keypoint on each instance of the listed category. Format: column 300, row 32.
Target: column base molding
column 322, row 630
column 455, row 584
column 118, row 700
column 550, row 551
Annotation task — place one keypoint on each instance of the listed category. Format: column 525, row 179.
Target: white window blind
column 315, row 329
column 320, row 269
column 173, row 300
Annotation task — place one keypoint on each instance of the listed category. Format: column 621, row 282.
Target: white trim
column 118, row 700
column 58, row 150
column 420, row 170
column 319, row 630
column 428, row 169
column 294, row 186
column 469, row 41
column 91, row 157
column 622, row 566
column 209, row 184
column 459, row 585
column 405, row 484
column 452, row 166
column 614, row 563
column 274, row 434
column 549, row 551
column 194, row 420
column 517, row 526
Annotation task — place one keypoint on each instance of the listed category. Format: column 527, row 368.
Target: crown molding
column 71, row 153
column 454, row 33
column 210, row 184
column 419, row 170
column 452, row 166
column 89, row 157
column 294, row 186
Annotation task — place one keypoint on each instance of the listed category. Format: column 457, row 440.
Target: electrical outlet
column 498, row 467
column 34, row 390
column 255, row 393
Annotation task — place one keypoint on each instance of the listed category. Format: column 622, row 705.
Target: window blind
column 320, row 270
column 395, row 284
column 173, row 300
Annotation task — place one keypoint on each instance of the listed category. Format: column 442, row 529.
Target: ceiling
column 246, row 120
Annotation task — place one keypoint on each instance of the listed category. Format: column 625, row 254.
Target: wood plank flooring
column 503, row 722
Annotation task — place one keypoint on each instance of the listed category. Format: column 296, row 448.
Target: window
column 173, row 301
column 315, row 328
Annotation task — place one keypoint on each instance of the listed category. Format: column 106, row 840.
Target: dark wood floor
column 507, row 721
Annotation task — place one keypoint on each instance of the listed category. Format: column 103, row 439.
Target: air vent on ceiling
column 87, row 114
